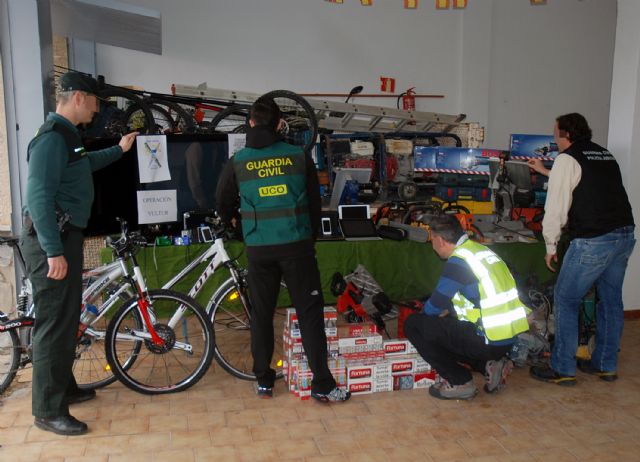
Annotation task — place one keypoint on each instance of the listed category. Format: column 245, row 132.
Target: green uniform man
column 58, row 204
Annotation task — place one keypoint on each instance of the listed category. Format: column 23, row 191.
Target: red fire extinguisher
column 409, row 100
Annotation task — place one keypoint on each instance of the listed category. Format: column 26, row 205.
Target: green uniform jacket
column 53, row 181
column 273, row 194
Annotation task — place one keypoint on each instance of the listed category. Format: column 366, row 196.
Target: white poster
column 157, row 206
column 153, row 163
column 237, row 141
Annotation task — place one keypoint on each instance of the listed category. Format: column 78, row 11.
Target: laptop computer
column 356, row 224
column 359, row 230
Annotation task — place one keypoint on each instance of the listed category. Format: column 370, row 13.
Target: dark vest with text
column 600, row 203
column 273, row 197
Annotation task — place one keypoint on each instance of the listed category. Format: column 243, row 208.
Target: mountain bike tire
column 9, row 355
column 168, row 116
column 90, row 366
column 232, row 328
column 232, row 119
column 161, row 369
column 300, row 116
column 114, row 119
column 184, row 122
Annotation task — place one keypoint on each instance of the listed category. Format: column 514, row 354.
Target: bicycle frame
column 118, row 270
column 218, row 255
column 105, row 274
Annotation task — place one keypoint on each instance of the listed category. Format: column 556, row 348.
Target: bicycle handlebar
column 127, row 242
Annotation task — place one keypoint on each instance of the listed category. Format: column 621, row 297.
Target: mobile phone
column 205, row 234
column 326, row 226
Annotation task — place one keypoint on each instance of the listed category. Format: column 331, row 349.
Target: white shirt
column 563, row 179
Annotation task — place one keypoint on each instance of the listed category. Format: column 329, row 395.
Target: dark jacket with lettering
column 600, row 203
column 60, row 176
column 273, row 187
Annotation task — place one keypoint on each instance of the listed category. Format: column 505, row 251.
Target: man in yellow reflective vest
column 472, row 317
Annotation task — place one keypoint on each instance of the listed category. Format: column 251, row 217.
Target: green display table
column 404, row 269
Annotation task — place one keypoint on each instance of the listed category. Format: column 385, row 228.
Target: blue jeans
column 601, row 261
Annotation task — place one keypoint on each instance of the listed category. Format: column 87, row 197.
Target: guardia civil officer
column 272, row 187
column 58, row 204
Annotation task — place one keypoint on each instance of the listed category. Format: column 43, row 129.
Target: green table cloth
column 404, row 269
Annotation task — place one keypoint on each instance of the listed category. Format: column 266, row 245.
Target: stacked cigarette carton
column 358, row 358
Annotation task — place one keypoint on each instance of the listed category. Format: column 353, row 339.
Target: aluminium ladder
column 343, row 117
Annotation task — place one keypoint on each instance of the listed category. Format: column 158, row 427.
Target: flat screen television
column 195, row 163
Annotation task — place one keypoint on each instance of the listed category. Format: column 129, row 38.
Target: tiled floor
column 220, row 419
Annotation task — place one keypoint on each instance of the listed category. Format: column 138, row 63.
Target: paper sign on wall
column 153, row 163
column 237, row 141
column 157, row 206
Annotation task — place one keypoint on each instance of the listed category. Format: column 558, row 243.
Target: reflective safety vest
column 501, row 314
column 274, row 205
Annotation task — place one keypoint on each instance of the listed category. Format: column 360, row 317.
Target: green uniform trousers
column 57, row 313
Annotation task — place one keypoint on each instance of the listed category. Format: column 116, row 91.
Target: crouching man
column 472, row 317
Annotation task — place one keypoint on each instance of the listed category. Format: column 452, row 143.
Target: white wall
column 509, row 65
column 550, row 60
column 624, row 126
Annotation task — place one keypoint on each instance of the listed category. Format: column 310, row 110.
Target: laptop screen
column 354, row 212
column 358, row 228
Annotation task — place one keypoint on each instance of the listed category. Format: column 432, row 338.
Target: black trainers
column 264, row 392
column 336, row 395
column 546, row 374
column 586, row 367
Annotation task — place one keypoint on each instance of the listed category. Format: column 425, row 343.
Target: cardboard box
column 330, row 322
column 365, row 386
column 360, row 329
column 424, row 379
column 360, row 344
column 403, row 382
column 538, row 146
column 453, row 159
column 396, row 347
column 356, row 371
column 402, row 365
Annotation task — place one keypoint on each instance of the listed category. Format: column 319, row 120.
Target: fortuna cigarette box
column 396, row 347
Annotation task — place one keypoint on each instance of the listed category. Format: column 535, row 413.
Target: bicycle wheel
column 90, row 366
column 233, row 119
column 9, row 355
column 174, row 366
column 168, row 116
column 121, row 113
column 184, row 122
column 300, row 118
column 232, row 328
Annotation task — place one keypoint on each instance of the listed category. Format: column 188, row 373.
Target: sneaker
column 546, row 374
column 496, row 373
column 264, row 392
column 586, row 367
column 335, row 395
column 444, row 390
